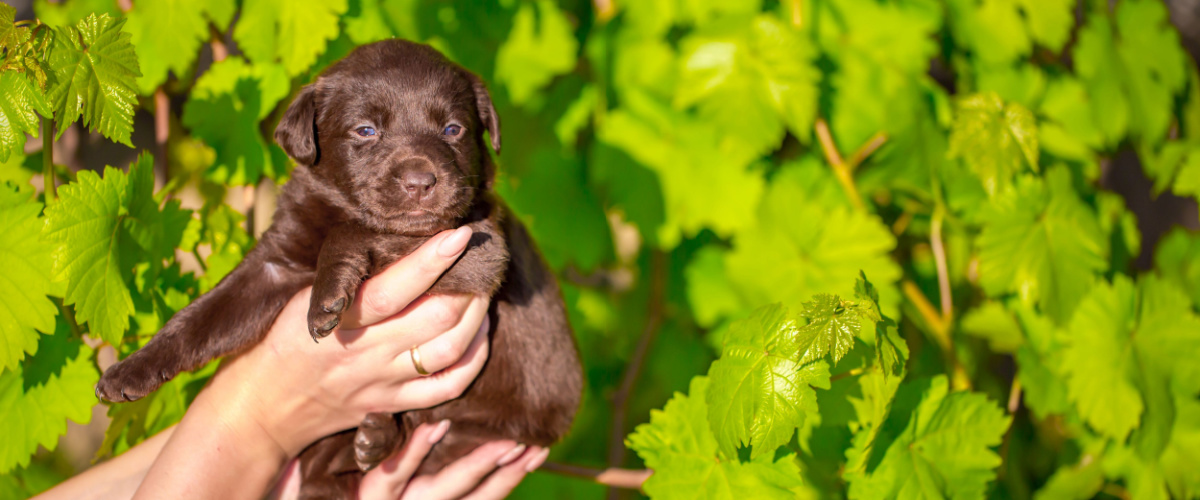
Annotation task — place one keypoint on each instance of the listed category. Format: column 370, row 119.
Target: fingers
column 443, row 351
column 502, row 482
column 465, row 474
column 390, row 478
column 390, row 291
column 448, row 383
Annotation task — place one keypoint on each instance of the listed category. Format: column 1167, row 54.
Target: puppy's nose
column 418, row 184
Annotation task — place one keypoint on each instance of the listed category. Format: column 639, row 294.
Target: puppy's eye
column 452, row 130
column 365, row 131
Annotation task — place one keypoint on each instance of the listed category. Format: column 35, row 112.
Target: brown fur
column 351, row 208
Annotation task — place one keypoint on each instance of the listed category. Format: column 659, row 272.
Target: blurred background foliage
column 1017, row 179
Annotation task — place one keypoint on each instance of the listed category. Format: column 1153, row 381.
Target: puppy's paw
column 134, row 378
column 324, row 314
column 377, row 436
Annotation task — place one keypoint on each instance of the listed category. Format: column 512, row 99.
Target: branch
column 615, row 478
column 939, row 329
column 162, row 132
column 841, row 169
column 48, row 177
column 846, row 374
column 616, row 438
column 220, row 52
column 875, row 142
column 797, row 12
column 939, row 257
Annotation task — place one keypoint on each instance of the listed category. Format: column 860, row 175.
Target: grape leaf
column 1041, row 242
column 1154, row 64
column 871, row 409
column 102, row 227
column 1072, row 130
column 25, row 308
column 992, row 322
column 1171, row 474
column 19, row 99
column 35, row 415
column 994, row 139
column 1102, row 74
column 167, row 34
column 679, row 447
column 800, row 246
column 992, row 29
column 94, row 71
column 708, row 289
column 759, row 388
column 1049, row 21
column 831, row 329
column 1124, row 341
column 540, row 46
column 750, row 79
column 943, row 451
column 293, row 33
column 1177, row 259
column 703, row 185
column 73, row 11
column 224, row 110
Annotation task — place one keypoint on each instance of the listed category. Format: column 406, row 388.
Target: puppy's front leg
column 226, row 320
column 343, row 263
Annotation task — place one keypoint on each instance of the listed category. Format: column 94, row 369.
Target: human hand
column 366, row 365
column 272, row 401
column 489, row 472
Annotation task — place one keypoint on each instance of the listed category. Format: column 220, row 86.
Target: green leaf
column 102, row 227
column 993, row 31
column 877, row 390
column 1154, row 64
column 19, row 99
column 1042, row 243
column 167, row 34
column 1125, row 342
column 94, row 72
column 801, row 246
column 678, row 446
column 703, row 185
column 708, row 288
column 1101, row 73
column 72, row 11
column 35, row 415
column 994, row 139
column 750, row 79
column 293, row 33
column 224, row 110
column 992, row 322
column 944, row 451
column 1177, row 259
column 25, row 283
column 1049, row 21
column 760, row 391
column 540, row 46
column 831, row 329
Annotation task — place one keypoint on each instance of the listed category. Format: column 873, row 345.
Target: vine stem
column 48, row 176
column 615, row 478
column 939, row 257
column 162, row 134
column 842, row 169
column 846, row 374
column 616, row 438
column 939, row 329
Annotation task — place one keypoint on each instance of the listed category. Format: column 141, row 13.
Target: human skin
column 266, row 405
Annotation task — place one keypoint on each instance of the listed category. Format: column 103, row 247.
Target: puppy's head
column 396, row 130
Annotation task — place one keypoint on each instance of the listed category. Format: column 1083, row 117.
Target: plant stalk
column 616, row 478
column 48, row 175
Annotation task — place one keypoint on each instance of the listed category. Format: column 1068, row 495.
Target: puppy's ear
column 487, row 112
column 297, row 130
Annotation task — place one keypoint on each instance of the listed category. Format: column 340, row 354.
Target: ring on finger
column 416, row 359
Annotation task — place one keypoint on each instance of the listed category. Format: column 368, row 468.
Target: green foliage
column 692, row 171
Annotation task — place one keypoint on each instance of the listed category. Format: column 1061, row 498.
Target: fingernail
column 510, row 456
column 538, row 461
column 439, row 432
column 455, row 243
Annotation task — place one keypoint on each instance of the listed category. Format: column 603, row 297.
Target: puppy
column 390, row 150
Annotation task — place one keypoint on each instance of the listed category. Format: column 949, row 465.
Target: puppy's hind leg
column 228, row 319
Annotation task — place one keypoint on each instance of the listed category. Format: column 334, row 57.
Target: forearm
column 217, row 451
column 114, row 479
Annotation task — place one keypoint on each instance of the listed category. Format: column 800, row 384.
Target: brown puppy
column 390, row 150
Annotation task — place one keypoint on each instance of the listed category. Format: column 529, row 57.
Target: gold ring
column 416, row 357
